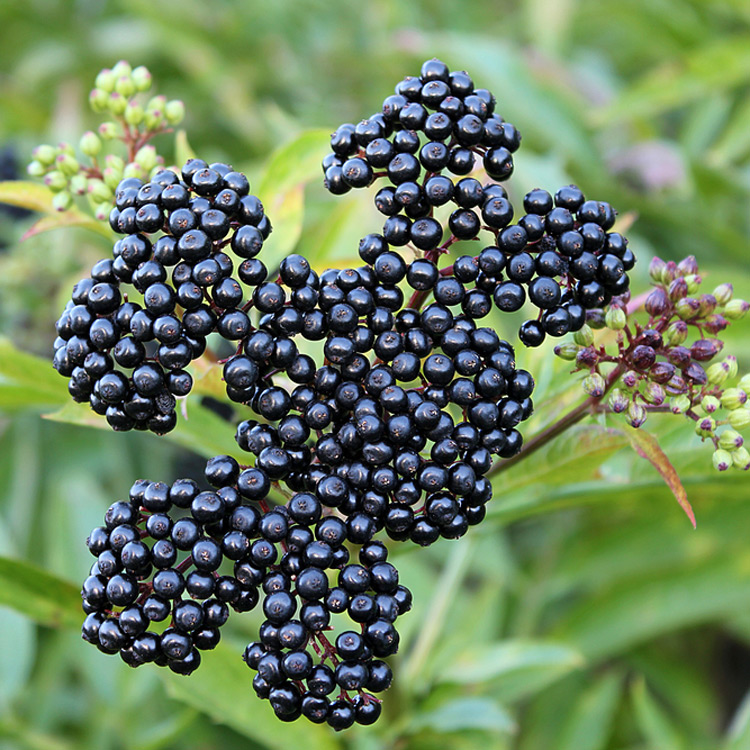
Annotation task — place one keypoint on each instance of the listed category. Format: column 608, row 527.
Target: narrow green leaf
column 222, row 691
column 466, row 713
column 589, row 724
column 647, row 446
column 27, row 381
column 656, row 727
column 39, row 595
column 499, row 659
column 182, row 148
column 27, row 194
column 73, row 217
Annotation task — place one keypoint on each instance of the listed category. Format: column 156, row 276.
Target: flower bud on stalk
column 618, row 401
column 567, row 351
column 679, row 404
column 687, row 308
column 587, row 357
column 704, row 350
column 688, row 265
column 710, row 404
column 584, row 337
column 594, row 385
column 662, row 372
column 695, row 374
column 741, row 458
column 678, row 289
column 630, row 379
column 733, row 398
column 705, row 427
column 730, row 440
column 736, row 309
column 643, row 357
column 676, row 333
column 676, row 385
column 722, row 460
column 637, row 414
column 739, row 419
column 657, row 302
column 715, row 323
column 693, row 282
column 656, row 269
column 615, row 318
column 707, row 304
column 723, row 293
column 654, row 394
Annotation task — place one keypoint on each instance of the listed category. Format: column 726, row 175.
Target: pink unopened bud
column 630, row 379
column 704, row 350
column 707, row 304
column 688, row 265
column 670, row 271
column 657, row 302
column 656, row 268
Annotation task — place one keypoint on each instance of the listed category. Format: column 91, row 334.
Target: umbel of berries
column 560, row 255
column 189, row 245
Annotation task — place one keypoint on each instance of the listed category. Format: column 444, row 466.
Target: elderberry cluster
column 189, row 556
column 126, row 358
column 560, row 255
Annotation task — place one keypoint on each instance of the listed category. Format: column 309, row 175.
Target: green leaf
column 282, row 188
column 738, row 733
column 73, row 217
column 43, row 597
column 28, row 381
column 493, row 661
column 182, row 148
column 647, row 446
column 26, row 194
column 466, row 713
column 589, row 724
column 16, row 662
column 652, row 719
column 222, row 691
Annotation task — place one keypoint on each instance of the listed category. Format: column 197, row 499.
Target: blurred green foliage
column 584, row 614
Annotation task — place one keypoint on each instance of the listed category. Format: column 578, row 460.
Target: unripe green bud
column 99, row 192
column 710, row 404
column 153, row 119
column 45, row 154
column 112, row 177
column 174, row 112
column 122, row 68
column 66, row 148
column 718, row 373
column 687, row 308
column 584, row 337
column 733, row 398
column 133, row 170
column 56, row 181
column 98, row 100
column 35, row 169
column 618, row 401
column 146, row 158
column 67, row 164
column 707, row 305
column 62, row 201
column 693, row 281
column 722, row 460
column 567, row 351
column 117, row 104
column 731, row 363
column 654, row 394
column 736, row 309
column 115, row 162
column 637, row 414
column 616, row 319
column 730, row 440
column 90, row 143
column 656, row 269
column 739, row 419
column 106, row 80
column 705, row 427
column 109, row 130
column 134, row 114
column 676, row 334
column 741, row 459
column 677, row 289
column 142, row 78
column 679, row 404
column 125, row 86
column 723, row 293
column 594, row 385
column 101, row 211
column 157, row 103
column 79, row 184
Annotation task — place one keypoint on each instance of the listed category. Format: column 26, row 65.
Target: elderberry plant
column 375, row 405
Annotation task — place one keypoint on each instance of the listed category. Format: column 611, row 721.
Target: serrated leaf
column 496, row 660
column 466, row 713
column 222, row 691
column 647, row 446
column 43, row 597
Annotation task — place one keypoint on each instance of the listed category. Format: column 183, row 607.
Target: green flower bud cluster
column 95, row 168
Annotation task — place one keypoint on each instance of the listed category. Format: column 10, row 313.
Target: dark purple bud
column 707, row 304
column 651, row 337
column 670, row 271
column 676, row 386
column 661, row 372
column 715, row 323
column 679, row 356
column 643, row 357
column 678, row 289
column 695, row 374
column 595, row 319
column 705, row 349
column 587, row 357
column 657, row 302
column 688, row 265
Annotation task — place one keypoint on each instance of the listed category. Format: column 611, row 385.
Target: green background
column 585, row 613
